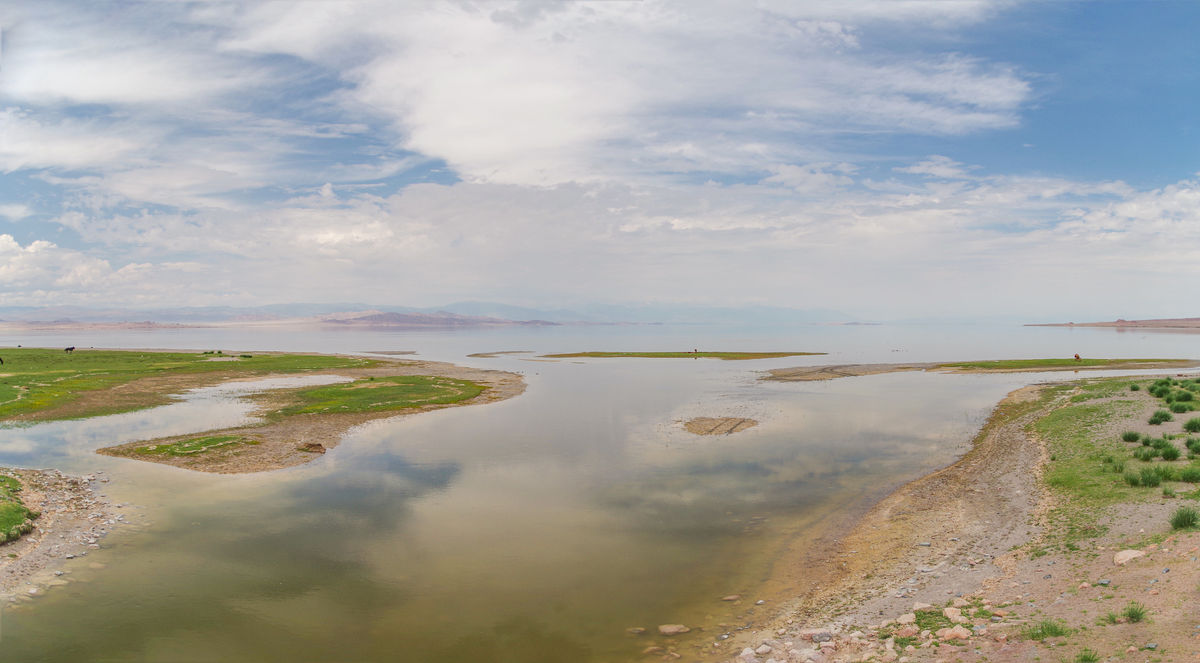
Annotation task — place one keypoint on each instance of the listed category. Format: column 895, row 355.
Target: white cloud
column 15, row 211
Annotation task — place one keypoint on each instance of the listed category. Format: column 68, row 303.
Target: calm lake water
column 535, row 529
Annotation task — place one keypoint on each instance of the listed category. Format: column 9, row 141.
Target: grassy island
column 292, row 425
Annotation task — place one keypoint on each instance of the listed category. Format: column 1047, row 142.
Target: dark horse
column 70, row 349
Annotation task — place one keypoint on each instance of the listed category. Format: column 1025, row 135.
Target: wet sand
column 834, row 371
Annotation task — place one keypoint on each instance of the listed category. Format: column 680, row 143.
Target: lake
column 534, row 529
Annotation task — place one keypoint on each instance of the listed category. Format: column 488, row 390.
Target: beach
column 964, row 548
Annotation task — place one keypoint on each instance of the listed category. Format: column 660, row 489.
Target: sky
column 888, row 158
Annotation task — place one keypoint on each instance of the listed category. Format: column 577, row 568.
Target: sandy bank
column 972, row 543
column 74, row 517
column 834, row 371
column 298, row 439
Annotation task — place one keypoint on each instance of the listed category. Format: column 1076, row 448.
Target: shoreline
column 299, row 439
column 74, row 518
column 835, row 371
column 858, row 577
column 972, row 547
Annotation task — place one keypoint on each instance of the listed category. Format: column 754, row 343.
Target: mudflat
column 834, row 371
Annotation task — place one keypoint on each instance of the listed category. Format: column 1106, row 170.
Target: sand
column 718, row 425
column 74, row 517
column 832, row 372
column 957, row 535
column 300, row 439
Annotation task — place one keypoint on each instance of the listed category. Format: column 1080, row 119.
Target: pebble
column 1103, row 582
column 672, row 629
column 764, row 648
column 925, row 544
column 759, row 602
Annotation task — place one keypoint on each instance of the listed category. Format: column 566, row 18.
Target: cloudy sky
column 883, row 157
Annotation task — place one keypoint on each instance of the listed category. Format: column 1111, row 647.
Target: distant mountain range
column 459, row 314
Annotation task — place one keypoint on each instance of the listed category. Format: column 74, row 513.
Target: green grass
column 15, row 517
column 730, row 356
column 1047, row 628
column 1134, row 612
column 1185, row 517
column 932, row 620
column 194, row 446
column 1032, row 364
column 380, row 394
column 41, row 379
column 1130, row 436
column 1160, row 416
column 1087, row 656
column 1192, row 425
column 1074, row 435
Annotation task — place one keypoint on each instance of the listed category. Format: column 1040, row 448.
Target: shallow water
column 535, row 529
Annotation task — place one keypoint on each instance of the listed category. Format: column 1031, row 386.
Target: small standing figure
column 1077, row 358
column 69, row 350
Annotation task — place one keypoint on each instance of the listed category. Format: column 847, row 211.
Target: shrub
column 1168, row 491
column 1160, row 416
column 1192, row 425
column 1164, row 472
column 1170, row 453
column 1134, row 387
column 1145, row 453
column 1179, row 408
column 1119, row 466
column 1087, row 656
column 1183, row 395
column 1149, row 477
column 1160, row 443
column 1191, row 443
column 1130, row 436
column 1134, row 612
column 1185, row 517
column 1190, row 474
column 1047, row 628
column 1132, row 479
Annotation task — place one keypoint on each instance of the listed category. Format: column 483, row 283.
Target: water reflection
column 535, row 529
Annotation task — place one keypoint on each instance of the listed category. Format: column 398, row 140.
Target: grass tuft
column 1134, row 612
column 1130, row 436
column 1185, row 517
column 1047, row 628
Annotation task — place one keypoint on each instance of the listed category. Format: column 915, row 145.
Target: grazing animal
column 1077, row 357
column 70, row 349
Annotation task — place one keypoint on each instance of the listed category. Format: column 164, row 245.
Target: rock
column 1125, row 556
column 653, row 649
column 1130, row 649
column 312, row 447
column 759, row 602
column 910, row 618
column 635, row 630
column 1084, row 585
column 763, row 649
column 921, row 606
column 732, row 597
column 960, row 602
column 924, row 544
column 822, row 636
column 907, row 632
column 954, row 615
column 672, row 629
column 1151, row 646
column 954, row 633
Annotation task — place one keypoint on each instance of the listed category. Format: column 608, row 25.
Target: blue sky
column 890, row 158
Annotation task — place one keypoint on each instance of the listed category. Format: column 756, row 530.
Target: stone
column 921, row 606
column 1104, row 582
column 635, row 630
column 954, row 615
column 1125, row 556
column 907, row 632
column 959, row 602
column 1084, row 585
column 764, row 648
column 909, row 618
column 822, row 636
column 732, row 597
column 672, row 629
column 653, row 649
column 954, row 633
